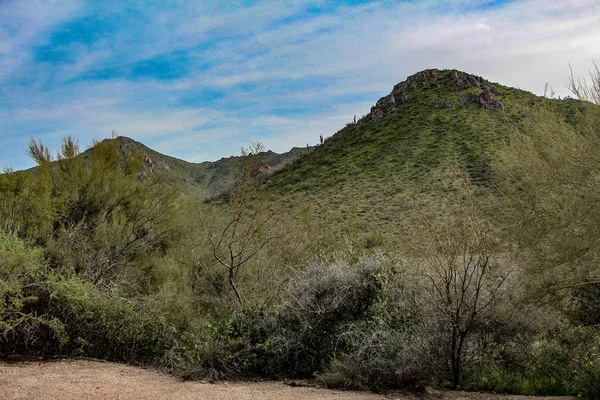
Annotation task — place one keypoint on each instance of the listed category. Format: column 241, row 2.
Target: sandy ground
column 78, row 379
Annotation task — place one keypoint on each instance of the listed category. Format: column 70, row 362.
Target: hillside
column 413, row 151
column 434, row 131
column 206, row 179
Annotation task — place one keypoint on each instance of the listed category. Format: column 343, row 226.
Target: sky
column 199, row 80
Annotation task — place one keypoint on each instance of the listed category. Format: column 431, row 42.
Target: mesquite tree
column 457, row 257
column 249, row 226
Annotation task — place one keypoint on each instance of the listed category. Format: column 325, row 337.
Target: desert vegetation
column 495, row 286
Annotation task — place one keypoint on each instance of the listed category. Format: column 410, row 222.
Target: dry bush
column 457, row 257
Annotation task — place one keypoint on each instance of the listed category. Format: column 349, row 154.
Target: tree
column 105, row 219
column 457, row 254
column 26, row 205
column 584, row 90
column 549, row 175
column 250, row 225
column 24, row 325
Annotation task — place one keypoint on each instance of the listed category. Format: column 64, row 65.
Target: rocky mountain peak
column 150, row 163
column 440, row 81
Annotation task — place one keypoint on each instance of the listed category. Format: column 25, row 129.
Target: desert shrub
column 561, row 361
column 25, row 326
column 105, row 325
column 493, row 378
column 325, row 298
column 584, row 307
column 378, row 357
column 399, row 346
column 42, row 314
column 295, row 338
column 232, row 347
column 571, row 355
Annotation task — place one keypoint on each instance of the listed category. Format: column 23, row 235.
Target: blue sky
column 198, row 80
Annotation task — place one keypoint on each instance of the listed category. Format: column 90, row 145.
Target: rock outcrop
column 433, row 78
column 487, row 101
column 150, row 165
column 465, row 81
column 400, row 91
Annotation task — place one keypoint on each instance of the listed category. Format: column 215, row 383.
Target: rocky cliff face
column 433, row 78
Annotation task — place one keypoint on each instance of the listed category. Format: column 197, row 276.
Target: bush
column 233, row 347
column 585, row 305
column 399, row 346
column 380, row 358
column 296, row 338
column 104, row 325
column 325, row 299
column 25, row 326
column 562, row 361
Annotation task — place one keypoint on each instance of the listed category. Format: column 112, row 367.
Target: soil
column 81, row 379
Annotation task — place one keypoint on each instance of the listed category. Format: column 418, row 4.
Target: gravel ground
column 79, row 379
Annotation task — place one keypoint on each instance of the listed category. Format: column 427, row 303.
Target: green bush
column 398, row 346
column 585, row 305
column 105, row 325
column 562, row 361
column 230, row 348
column 25, row 326
column 327, row 297
column 296, row 338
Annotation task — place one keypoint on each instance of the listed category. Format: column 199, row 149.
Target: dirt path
column 76, row 379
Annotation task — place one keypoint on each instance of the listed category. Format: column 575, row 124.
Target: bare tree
column 584, row 90
column 250, row 226
column 549, row 93
column 457, row 255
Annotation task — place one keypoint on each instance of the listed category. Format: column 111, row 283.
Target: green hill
column 205, row 180
column 413, row 151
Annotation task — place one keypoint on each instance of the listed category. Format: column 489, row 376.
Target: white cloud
column 24, row 24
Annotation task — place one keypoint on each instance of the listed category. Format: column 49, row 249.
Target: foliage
column 323, row 300
column 106, row 325
column 247, row 231
column 458, row 257
column 294, row 339
column 379, row 359
column 26, row 205
column 40, row 314
column 247, row 247
column 400, row 345
column 98, row 219
column 551, row 190
column 230, row 348
column 25, row 325
column 560, row 361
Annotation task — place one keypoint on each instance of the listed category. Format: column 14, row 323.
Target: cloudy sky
column 198, row 80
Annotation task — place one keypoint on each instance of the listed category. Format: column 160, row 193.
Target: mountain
column 205, row 180
column 413, row 151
